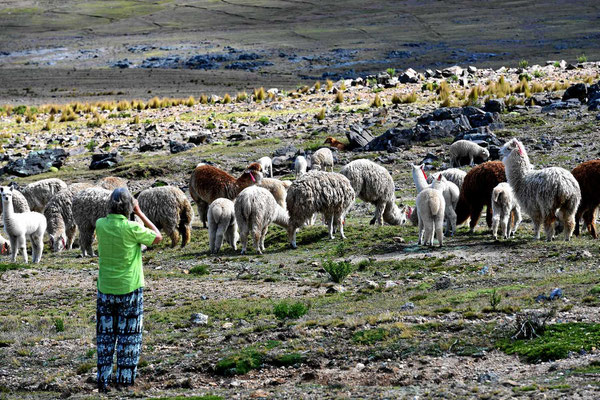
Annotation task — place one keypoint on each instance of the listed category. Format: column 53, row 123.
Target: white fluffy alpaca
column 267, row 166
column 545, row 194
column 466, row 148
column 222, row 224
column 449, row 190
column 430, row 207
column 18, row 226
column 454, row 175
column 505, row 209
column 300, row 165
column 321, row 159
column 256, row 209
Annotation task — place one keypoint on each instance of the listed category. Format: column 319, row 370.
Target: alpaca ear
column 520, row 147
column 439, row 177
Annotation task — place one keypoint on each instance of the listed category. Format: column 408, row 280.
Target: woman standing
column 120, row 303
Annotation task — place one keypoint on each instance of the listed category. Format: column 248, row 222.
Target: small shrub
column 226, row 99
column 240, row 363
column 200, row 270
column 320, row 115
column 377, row 101
column 539, row 74
column 288, row 360
column 338, row 271
column 264, row 120
column 339, row 97
column 289, row 310
column 391, row 71
column 91, row 145
column 523, row 64
column 211, row 125
column 241, row 96
column 191, row 101
column 18, row 120
column 396, row 99
column 59, row 325
column 19, row 110
column 85, row 368
column 343, row 86
column 495, row 299
column 556, row 64
column 317, row 85
column 582, row 58
column 370, row 336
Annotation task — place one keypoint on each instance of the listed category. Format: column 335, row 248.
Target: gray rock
column 407, row 306
column 105, row 160
column 443, row 282
column 488, row 376
column 35, row 163
column 495, row 105
column 409, row 76
column 148, row 144
column 455, row 70
column 177, row 147
column 577, row 91
column 199, row 319
column 358, row 136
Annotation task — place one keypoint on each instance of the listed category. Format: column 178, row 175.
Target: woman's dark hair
column 120, row 202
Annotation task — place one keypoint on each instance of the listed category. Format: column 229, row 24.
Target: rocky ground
column 407, row 322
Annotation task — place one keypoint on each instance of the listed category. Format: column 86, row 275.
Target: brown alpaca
column 588, row 177
column 476, row 192
column 209, row 183
column 333, row 142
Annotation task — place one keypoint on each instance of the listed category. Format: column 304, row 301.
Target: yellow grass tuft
column 260, row 94
column 377, row 101
column 226, row 99
column 329, row 84
column 320, row 115
column 339, row 97
column 203, row 99
column 191, row 101
column 241, row 96
column 317, row 85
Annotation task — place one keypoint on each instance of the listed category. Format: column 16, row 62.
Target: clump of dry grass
column 317, row 85
column 136, row 120
column 409, row 98
column 191, row 101
column 320, row 115
column 329, row 84
column 443, row 92
column 473, row 96
column 515, row 101
column 226, row 99
column 304, row 89
column 241, row 96
column 97, row 121
column 339, row 97
column 67, row 115
column 396, row 99
column 343, row 86
column 377, row 102
column 203, row 99
column 259, row 94
column 123, row 105
column 18, row 120
column 154, row 103
column 48, row 126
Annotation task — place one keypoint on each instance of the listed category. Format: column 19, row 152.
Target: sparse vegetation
column 289, row 310
column 338, row 271
column 523, row 64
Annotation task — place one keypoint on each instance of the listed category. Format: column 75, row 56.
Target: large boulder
column 36, row 162
column 177, row 147
column 105, row 160
column 358, row 136
column 577, row 91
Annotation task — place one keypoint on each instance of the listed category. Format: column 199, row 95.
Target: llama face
column 508, row 148
column 6, row 193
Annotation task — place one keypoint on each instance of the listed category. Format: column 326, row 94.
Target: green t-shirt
column 120, row 254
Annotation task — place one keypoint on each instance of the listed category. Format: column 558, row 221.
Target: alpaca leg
column 379, row 209
column 217, row 240
column 14, row 248
column 40, row 248
column 592, row 224
column 475, row 214
column 244, row 239
column 174, row 235
column 203, row 212
column 439, row 229
column 23, row 245
column 578, row 216
column 291, row 231
column 451, row 220
column 549, row 228
column 567, row 217
column 230, row 237
column 488, row 215
column 263, row 235
column 34, row 249
column 421, row 231
column 256, row 237
column 331, row 225
column 70, row 237
column 211, row 238
column 505, row 225
column 340, row 222
column 495, row 223
column 517, row 220
column 429, row 232
column 589, row 218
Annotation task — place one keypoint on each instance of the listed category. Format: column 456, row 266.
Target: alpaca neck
column 419, row 179
column 392, row 214
column 7, row 209
column 516, row 168
column 281, row 217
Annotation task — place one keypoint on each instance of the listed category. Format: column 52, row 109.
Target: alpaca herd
column 238, row 208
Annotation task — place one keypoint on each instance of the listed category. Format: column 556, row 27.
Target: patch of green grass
column 240, row 363
column 523, row 64
column 289, row 359
column 582, row 58
column 527, row 388
column 338, row 271
column 555, row 343
column 264, row 120
column 59, row 325
column 370, row 336
column 205, row 397
column 85, row 367
column 200, row 270
column 9, row 266
column 289, row 310
column 517, row 121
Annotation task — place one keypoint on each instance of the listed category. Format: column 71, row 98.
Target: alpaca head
column 254, row 170
column 512, row 146
column 330, row 140
column 419, row 169
column 7, row 193
column 484, row 153
column 439, row 182
column 58, row 243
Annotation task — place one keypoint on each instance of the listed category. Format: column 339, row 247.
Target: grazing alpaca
column 222, row 224
column 476, row 192
column 256, row 209
column 373, row 184
column 588, row 177
column 18, row 226
column 277, row 188
column 267, row 166
column 430, row 207
column 169, row 209
column 300, row 165
column 454, row 175
column 466, row 149
column 209, row 183
column 111, row 183
column 449, row 190
column 329, row 193
column 321, row 159
column 545, row 194
column 39, row 193
column 333, row 142
column 506, row 209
